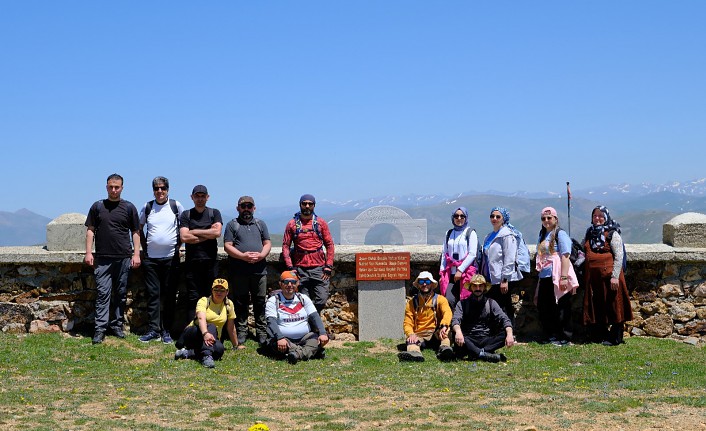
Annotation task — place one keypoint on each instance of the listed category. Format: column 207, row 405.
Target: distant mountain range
column 640, row 209
column 23, row 227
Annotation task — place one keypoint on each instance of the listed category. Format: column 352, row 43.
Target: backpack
column 210, row 216
column 257, row 221
column 522, row 259
column 175, row 210
column 434, row 300
column 298, row 226
column 479, row 250
column 276, row 294
column 576, row 256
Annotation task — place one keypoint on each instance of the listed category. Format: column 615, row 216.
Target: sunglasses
column 160, row 188
column 248, row 206
column 424, row 282
column 495, row 216
column 288, row 281
column 459, row 216
column 547, row 218
column 307, row 204
column 219, row 290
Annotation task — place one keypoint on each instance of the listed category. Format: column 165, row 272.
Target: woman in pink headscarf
column 557, row 279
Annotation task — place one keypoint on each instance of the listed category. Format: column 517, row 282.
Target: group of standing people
column 476, row 281
column 126, row 239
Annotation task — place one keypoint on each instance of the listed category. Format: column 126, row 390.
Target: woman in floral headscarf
column 606, row 303
column 457, row 258
column 499, row 256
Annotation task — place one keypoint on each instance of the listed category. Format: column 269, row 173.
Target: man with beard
column 199, row 229
column 247, row 243
column 474, row 321
column 427, row 317
column 310, row 235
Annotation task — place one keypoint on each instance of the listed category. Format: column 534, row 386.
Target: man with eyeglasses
column 427, row 318
column 311, row 252
column 160, row 260
column 294, row 327
column 199, row 229
column 114, row 224
column 247, row 243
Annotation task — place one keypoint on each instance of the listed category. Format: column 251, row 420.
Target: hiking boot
column 208, row 362
column 503, row 358
column 149, row 336
column 445, row 353
column 118, row 332
column 321, row 354
column 98, row 337
column 411, row 357
column 166, row 338
column 292, row 358
column 491, row 357
column 183, row 354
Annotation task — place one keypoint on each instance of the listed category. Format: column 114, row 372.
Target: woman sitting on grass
column 201, row 339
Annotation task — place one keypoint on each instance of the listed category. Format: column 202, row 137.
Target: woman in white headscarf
column 457, row 258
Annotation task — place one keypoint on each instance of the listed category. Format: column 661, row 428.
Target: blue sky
column 345, row 99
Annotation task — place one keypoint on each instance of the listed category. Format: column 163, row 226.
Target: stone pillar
column 685, row 230
column 67, row 233
column 380, row 309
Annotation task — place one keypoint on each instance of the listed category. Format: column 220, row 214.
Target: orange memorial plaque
column 382, row 266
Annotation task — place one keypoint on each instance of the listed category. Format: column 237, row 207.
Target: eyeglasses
column 495, row 216
column 307, row 204
column 246, row 206
column 424, row 282
column 155, row 188
column 288, row 281
column 547, row 218
column 459, row 216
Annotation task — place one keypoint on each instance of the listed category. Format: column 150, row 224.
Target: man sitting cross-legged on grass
column 294, row 327
column 474, row 321
column 427, row 318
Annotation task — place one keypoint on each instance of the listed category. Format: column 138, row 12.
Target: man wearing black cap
column 312, row 252
column 200, row 227
column 247, row 242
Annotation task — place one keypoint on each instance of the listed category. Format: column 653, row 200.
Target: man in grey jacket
column 480, row 325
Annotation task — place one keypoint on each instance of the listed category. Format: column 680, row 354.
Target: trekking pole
column 568, row 204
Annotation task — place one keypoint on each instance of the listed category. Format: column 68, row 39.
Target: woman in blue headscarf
column 457, row 258
column 500, row 250
column 606, row 302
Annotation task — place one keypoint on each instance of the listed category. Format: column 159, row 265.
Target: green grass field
column 58, row 382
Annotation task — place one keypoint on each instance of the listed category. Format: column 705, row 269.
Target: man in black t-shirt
column 112, row 222
column 200, row 227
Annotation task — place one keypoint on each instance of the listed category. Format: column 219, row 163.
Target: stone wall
column 42, row 290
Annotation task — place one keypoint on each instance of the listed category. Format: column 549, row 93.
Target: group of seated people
column 477, row 323
column 295, row 330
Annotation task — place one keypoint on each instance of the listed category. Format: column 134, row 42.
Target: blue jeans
column 111, row 282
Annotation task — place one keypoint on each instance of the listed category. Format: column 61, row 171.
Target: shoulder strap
column 148, row 209
column 210, row 214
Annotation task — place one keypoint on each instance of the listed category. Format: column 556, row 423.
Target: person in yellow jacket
column 426, row 322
